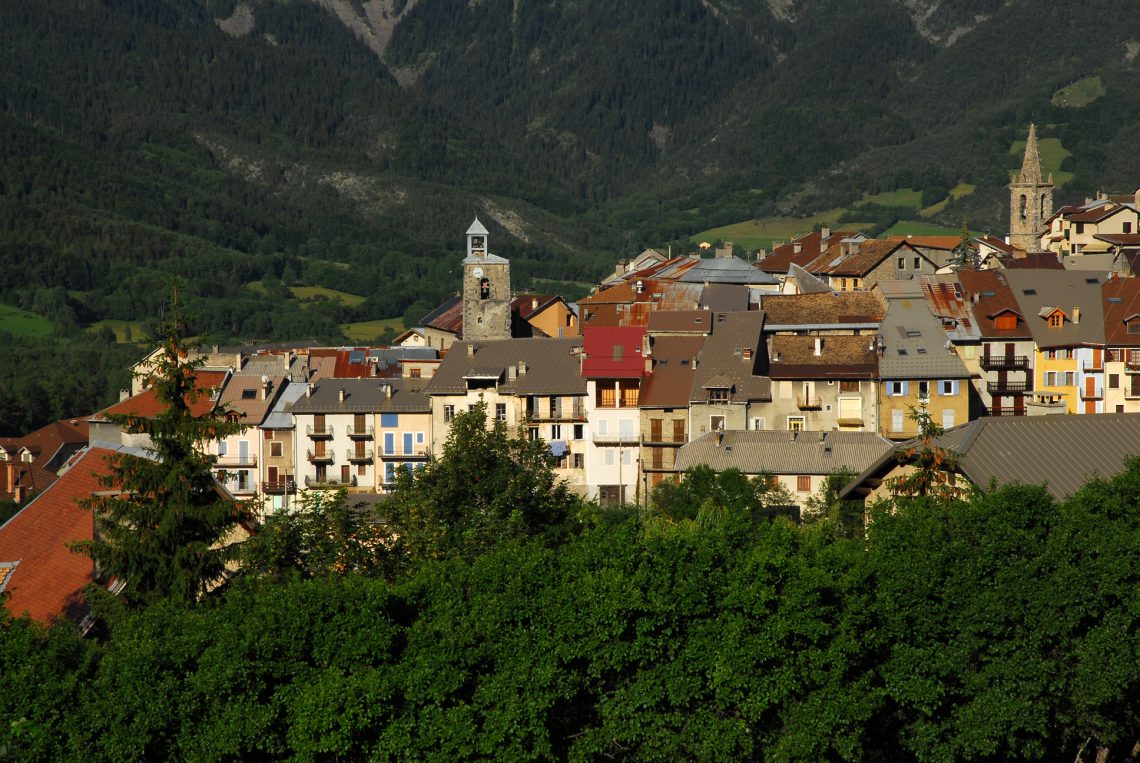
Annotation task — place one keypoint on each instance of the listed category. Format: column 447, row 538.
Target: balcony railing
column 1096, row 393
column 1004, row 361
column 1132, row 366
column 809, row 403
column 319, row 432
column 399, row 454
column 575, row 412
column 279, row 487
column 329, row 484
column 320, row 458
column 1131, row 393
column 615, row 438
column 1007, row 411
column 1050, row 401
column 359, row 456
column 1008, row 388
column 237, row 459
column 360, row 433
column 661, row 439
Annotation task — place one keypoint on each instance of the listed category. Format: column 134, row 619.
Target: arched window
column 1023, row 206
column 1043, row 206
column 485, row 287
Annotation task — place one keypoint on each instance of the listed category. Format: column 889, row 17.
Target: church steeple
column 1030, row 198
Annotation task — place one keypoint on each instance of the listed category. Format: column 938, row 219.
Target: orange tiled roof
column 146, row 403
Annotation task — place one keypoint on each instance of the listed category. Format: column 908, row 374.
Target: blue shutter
column 407, row 443
column 389, row 419
column 906, row 388
column 389, row 443
column 955, row 392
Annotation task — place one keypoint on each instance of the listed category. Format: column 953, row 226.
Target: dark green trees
column 164, row 526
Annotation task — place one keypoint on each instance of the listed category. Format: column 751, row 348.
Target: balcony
column 420, row 452
column 319, row 433
column 1007, row 411
column 999, row 362
column 1096, row 393
column 660, row 439
column 354, row 456
column 615, row 438
column 237, row 460
column 328, row 484
column 809, row 403
column 1048, row 403
column 320, row 458
column 360, row 433
column 1008, row 388
column 1132, row 366
column 279, row 487
column 576, row 412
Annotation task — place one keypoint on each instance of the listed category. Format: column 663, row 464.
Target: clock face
column 477, row 272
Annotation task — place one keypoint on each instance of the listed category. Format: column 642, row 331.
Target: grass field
column 902, row 197
column 22, row 323
column 366, row 331
column 957, row 192
column 915, row 228
column 125, row 331
column 760, row 233
column 1080, row 93
column 309, row 292
column 1052, row 154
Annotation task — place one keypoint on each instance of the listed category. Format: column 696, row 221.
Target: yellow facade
column 1061, row 371
column 947, row 402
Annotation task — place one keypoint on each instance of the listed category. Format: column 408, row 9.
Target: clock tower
column 486, row 289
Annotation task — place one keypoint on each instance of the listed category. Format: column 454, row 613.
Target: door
column 345, row 474
column 243, row 452
column 271, row 475
column 1090, row 388
column 679, row 430
column 655, row 430
column 1098, row 359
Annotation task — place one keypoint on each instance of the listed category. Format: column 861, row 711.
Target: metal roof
column 365, row 396
column 753, row 452
column 542, row 366
column 914, row 343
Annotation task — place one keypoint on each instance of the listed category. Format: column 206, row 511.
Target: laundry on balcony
column 558, row 448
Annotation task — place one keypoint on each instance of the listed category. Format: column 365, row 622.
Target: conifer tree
column 163, row 525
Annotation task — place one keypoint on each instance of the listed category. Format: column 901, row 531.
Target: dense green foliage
column 1002, row 627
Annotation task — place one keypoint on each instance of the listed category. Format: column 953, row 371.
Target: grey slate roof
column 1062, row 452
column 806, row 283
column 914, row 342
column 753, row 452
column 1062, row 289
column 726, row 270
column 553, row 366
column 279, row 416
column 723, row 356
column 365, row 396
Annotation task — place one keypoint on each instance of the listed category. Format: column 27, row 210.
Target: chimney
column 512, row 373
column 124, row 394
column 470, row 351
column 265, row 385
column 1076, row 315
column 818, row 346
column 824, row 235
column 309, row 391
column 342, row 395
column 522, row 367
column 1136, row 198
column 797, row 247
column 387, row 391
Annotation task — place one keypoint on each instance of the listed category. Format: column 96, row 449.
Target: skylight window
column 1029, row 292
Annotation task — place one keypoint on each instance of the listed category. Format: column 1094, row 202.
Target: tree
column 826, row 505
column 486, row 486
column 165, row 525
column 929, row 469
column 730, row 490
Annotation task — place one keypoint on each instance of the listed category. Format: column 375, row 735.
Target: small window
column 1127, row 228
column 803, row 483
column 275, row 449
column 795, row 423
column 249, row 394
column 716, row 423
column 578, row 460
column 718, row 395
column 501, row 412
column 448, row 413
column 1134, row 327
column 414, row 373
column 947, row 387
column 924, row 389
column 1114, row 381
column 917, row 263
column 1056, row 320
column 902, row 263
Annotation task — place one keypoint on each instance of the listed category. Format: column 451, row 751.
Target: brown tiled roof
column 1041, row 292
column 858, row 263
column 929, row 242
column 1096, row 214
column 680, row 322
column 668, row 384
column 447, row 317
column 45, row 442
column 1120, row 239
column 993, row 297
column 617, row 294
column 725, row 354
column 823, row 308
column 251, row 410
column 846, row 357
column 1032, row 261
column 146, row 403
column 49, row 577
column 811, row 246
column 32, row 478
column 1121, row 301
column 996, row 243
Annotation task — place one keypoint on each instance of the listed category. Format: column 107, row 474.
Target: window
column 917, row 263
column 756, row 424
column 389, row 420
column 716, row 423
column 896, row 421
column 389, row 443
column 268, row 434
column 532, row 433
column 795, row 423
column 924, row 389
column 1080, row 228
column 848, row 385
column 948, row 387
column 249, row 394
column 1055, row 320
column 223, row 447
column 1114, row 381
column 414, row 373
column 275, row 449
column 448, row 413
column 803, row 483
column 607, row 397
column 902, row 263
column 555, row 431
column 500, row 411
column 625, row 429
column 627, row 456
column 1127, row 228
column 578, row 460
column 1134, row 327
column 608, row 456
column 897, row 388
column 1005, row 322
column 718, row 395
column 362, row 470
column 408, row 449
column 629, row 397
column 579, row 431
column 948, row 418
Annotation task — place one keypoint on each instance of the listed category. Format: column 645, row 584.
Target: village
column 828, row 355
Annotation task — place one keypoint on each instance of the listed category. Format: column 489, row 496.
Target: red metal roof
column 613, row 352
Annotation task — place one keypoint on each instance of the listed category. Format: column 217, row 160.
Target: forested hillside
column 305, row 165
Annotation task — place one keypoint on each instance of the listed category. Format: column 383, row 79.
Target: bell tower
column 1030, row 199
column 486, row 289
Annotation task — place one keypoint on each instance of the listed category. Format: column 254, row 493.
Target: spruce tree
column 164, row 525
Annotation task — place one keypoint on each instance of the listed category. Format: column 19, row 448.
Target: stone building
column 1030, row 199
column 486, row 289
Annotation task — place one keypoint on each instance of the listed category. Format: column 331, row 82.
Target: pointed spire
column 1031, row 163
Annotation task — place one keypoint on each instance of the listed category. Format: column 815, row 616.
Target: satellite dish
column 705, row 245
